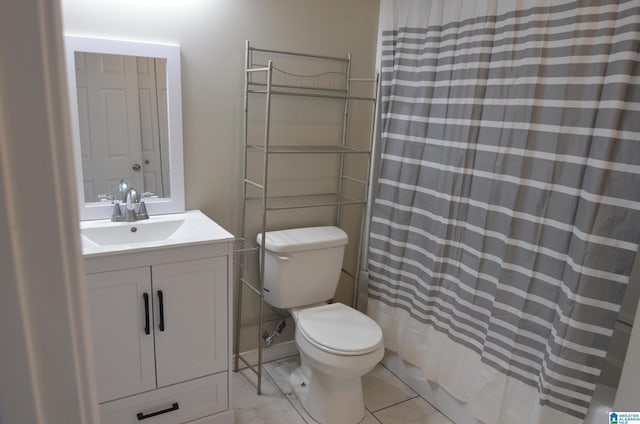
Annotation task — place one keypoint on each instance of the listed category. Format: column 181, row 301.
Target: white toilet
column 337, row 344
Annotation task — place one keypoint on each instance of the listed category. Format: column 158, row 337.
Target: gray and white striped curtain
column 507, row 213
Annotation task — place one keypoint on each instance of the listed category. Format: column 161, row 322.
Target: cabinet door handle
column 161, row 304
column 173, row 407
column 147, row 328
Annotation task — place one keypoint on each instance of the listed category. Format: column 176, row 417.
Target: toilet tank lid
column 300, row 239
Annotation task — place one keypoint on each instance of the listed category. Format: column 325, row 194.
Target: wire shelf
column 241, row 251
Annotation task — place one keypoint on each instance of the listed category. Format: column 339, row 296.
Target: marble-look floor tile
column 413, row 411
column 300, row 409
column 280, row 370
column 382, row 389
column 272, row 407
column 438, row 418
column 369, row 418
column 390, row 400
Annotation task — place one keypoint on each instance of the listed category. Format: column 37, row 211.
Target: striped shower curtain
column 507, row 211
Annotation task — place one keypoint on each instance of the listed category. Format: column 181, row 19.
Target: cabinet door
column 193, row 340
column 123, row 351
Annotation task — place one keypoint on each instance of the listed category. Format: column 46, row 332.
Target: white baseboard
column 272, row 353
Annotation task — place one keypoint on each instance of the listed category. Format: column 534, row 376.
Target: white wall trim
column 45, row 360
column 273, row 353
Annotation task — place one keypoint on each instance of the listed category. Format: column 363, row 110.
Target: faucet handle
column 106, row 197
column 116, row 214
column 142, row 211
column 148, row 194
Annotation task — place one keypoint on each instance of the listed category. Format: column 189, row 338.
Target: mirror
column 126, row 110
column 122, row 111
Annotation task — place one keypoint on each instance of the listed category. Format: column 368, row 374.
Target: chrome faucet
column 123, row 188
column 131, row 199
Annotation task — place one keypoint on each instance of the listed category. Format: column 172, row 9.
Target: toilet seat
column 339, row 329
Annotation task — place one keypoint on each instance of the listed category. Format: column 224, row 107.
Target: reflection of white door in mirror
column 152, row 95
column 122, row 117
column 163, row 111
column 109, row 117
column 152, row 91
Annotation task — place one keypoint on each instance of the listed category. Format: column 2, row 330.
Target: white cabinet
column 193, row 340
column 123, row 350
column 160, row 328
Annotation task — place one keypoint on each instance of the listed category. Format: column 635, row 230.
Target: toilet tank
column 302, row 265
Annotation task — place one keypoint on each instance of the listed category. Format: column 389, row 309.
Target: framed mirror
column 126, row 114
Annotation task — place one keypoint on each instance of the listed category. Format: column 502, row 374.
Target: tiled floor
column 387, row 399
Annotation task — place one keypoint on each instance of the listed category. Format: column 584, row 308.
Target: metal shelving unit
column 259, row 82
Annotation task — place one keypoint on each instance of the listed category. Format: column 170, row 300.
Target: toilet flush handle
column 283, row 258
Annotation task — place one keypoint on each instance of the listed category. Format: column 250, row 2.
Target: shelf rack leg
column 365, row 212
column 243, row 217
column 265, row 171
column 343, row 141
column 236, row 339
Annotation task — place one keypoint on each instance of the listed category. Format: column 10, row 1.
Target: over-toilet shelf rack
column 259, row 82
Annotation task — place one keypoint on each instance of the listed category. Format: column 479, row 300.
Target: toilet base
column 328, row 399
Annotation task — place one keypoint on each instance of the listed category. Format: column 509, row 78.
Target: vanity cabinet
column 149, row 335
column 160, row 324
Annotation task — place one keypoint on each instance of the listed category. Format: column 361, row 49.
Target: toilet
column 337, row 344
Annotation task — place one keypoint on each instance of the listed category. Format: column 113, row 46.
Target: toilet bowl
column 337, row 344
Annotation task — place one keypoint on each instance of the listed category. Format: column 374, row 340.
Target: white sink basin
column 106, row 237
column 132, row 232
